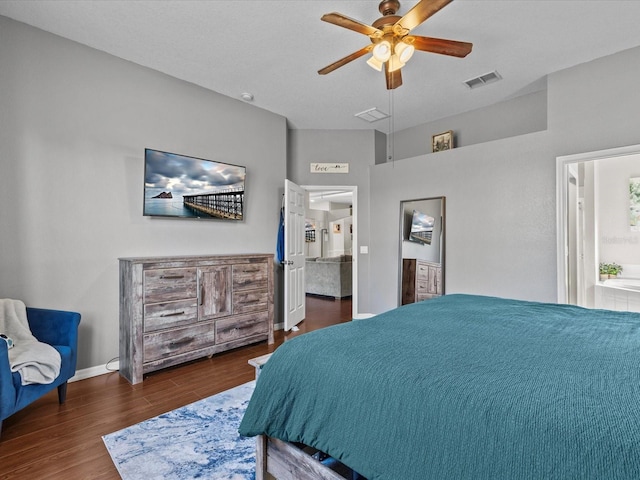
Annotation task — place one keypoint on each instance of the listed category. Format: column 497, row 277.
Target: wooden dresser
column 421, row 280
column 177, row 309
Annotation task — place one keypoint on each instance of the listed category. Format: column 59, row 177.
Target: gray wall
column 501, row 209
column 517, row 116
column 595, row 105
column 500, row 235
column 355, row 147
column 74, row 123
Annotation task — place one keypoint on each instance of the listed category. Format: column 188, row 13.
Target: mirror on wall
column 422, row 235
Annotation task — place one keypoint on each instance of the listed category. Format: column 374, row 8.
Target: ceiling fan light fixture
column 395, row 63
column 374, row 63
column 404, row 51
column 391, row 42
column 382, row 51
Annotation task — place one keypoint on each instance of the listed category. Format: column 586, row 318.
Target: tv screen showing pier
column 421, row 228
column 188, row 187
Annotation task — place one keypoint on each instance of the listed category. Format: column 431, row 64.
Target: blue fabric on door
column 280, row 242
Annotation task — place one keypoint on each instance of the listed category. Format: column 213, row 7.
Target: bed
column 459, row 387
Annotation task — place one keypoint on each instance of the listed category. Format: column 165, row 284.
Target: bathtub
column 619, row 293
column 622, row 282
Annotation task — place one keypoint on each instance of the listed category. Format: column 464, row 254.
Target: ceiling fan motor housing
column 386, row 23
column 389, row 7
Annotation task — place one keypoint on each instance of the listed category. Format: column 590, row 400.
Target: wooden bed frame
column 287, row 461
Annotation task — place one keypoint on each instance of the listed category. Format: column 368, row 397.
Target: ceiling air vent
column 483, row 79
column 372, row 115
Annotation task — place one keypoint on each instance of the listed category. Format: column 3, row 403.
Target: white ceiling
column 325, row 198
column 273, row 50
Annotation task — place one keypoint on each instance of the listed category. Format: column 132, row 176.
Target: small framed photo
column 442, row 141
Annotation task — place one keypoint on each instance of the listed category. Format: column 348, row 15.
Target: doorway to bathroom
column 598, row 228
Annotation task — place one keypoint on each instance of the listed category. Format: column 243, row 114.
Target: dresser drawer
column 167, row 284
column 422, row 286
column 231, row 329
column 247, row 276
column 158, row 316
column 177, row 340
column 250, row 301
column 426, row 296
column 422, row 271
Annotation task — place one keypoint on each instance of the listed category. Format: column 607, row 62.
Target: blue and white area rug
column 199, row 440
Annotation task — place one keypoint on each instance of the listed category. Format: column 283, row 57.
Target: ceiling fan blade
column 351, row 24
column 420, row 12
column 441, row 46
column 345, row 60
column 394, row 79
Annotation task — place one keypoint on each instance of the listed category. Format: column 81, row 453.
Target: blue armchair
column 60, row 330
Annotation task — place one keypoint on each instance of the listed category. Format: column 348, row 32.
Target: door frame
column 355, row 246
column 563, row 164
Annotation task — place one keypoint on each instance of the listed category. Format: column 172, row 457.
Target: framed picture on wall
column 309, row 230
column 442, row 141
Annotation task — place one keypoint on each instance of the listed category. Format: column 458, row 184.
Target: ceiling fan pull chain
column 391, row 147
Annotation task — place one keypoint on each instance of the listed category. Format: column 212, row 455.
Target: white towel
column 36, row 362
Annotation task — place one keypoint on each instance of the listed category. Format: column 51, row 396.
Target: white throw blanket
column 36, row 362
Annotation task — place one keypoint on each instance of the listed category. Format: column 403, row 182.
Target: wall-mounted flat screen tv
column 188, row 187
column 421, row 228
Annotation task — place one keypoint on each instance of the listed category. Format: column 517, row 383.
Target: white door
column 294, row 257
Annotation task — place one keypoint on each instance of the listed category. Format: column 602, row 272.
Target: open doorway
column 597, row 227
column 331, row 243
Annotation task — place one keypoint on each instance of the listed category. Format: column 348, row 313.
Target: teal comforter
column 463, row 387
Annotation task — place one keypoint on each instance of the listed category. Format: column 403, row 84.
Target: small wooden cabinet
column 421, row 280
column 177, row 309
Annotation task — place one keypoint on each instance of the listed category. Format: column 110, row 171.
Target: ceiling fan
column 391, row 42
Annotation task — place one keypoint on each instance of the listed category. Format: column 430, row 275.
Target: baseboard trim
column 95, row 371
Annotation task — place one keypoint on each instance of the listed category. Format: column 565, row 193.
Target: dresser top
column 194, row 258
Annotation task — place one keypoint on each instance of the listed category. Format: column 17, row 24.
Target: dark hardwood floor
column 46, row 440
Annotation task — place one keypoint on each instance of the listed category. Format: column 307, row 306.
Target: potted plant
column 604, row 271
column 614, row 270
